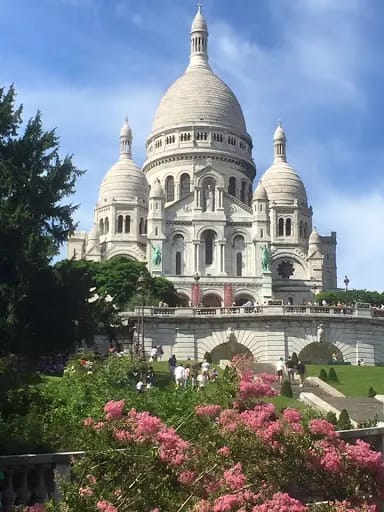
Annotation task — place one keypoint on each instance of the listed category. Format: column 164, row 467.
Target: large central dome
column 199, row 96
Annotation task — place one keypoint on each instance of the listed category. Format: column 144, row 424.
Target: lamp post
column 346, row 283
column 140, row 345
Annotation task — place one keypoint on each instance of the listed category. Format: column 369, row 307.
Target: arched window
column 141, row 226
column 178, row 263
column 101, row 227
column 209, row 237
column 232, row 186
column 170, row 189
column 119, row 224
column 185, row 185
column 242, row 191
column 288, row 227
column 156, row 231
column 250, row 193
column 281, row 227
column 239, row 264
column 301, row 229
column 127, row 226
column 305, row 230
column 106, row 225
column 145, row 226
column 261, row 233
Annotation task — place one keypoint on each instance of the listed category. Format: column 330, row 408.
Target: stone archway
column 321, row 353
column 183, row 300
column 211, row 300
column 227, row 350
column 243, row 298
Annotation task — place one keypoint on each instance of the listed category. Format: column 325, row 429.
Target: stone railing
column 28, row 479
column 252, row 310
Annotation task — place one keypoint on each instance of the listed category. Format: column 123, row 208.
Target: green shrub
column 344, row 422
column 286, row 389
column 323, row 375
column 332, row 376
column 371, row 392
column 332, row 418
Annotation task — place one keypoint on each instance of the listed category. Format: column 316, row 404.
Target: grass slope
column 353, row 380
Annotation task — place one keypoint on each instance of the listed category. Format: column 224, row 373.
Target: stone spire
column 126, row 140
column 199, row 41
column 279, row 144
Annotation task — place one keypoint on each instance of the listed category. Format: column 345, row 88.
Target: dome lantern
column 126, row 140
column 199, row 41
column 279, row 144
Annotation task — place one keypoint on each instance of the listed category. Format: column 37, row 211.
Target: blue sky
column 314, row 64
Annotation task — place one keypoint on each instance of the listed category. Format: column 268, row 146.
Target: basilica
column 192, row 212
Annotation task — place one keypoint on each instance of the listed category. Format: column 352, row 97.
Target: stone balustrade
column 28, row 479
column 274, row 310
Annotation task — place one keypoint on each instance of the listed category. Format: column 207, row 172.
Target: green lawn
column 353, row 380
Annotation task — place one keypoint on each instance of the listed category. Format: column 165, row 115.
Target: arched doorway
column 226, row 351
column 321, row 353
column 211, row 300
column 240, row 300
column 183, row 300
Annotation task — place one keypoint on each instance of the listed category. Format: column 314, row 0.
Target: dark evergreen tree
column 35, row 219
column 371, row 392
column 344, row 422
column 331, row 417
column 286, row 389
column 332, row 376
column 323, row 375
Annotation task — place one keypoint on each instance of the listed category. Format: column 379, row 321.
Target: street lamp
column 140, row 345
column 196, row 277
column 346, row 283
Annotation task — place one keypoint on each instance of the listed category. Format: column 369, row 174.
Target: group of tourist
column 291, row 368
column 196, row 376
column 156, row 353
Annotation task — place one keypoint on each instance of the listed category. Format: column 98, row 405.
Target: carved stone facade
column 194, row 207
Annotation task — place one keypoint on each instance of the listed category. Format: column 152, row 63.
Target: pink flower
column 187, row 477
column 225, row 451
column 37, row 507
column 291, row 415
column 105, row 506
column 91, row 479
column 281, row 502
column 114, row 409
column 85, row 491
column 147, row 425
column 208, row 410
column 323, row 427
column 362, row 454
column 235, row 478
column 88, row 422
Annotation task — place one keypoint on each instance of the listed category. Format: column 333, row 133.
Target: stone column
column 195, row 294
column 222, row 257
column 196, row 256
column 228, row 295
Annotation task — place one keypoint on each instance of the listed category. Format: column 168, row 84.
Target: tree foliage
column 375, row 298
column 35, row 219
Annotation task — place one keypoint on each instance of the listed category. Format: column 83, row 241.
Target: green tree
column 344, row 422
column 286, row 389
column 35, row 219
column 323, row 375
column 332, row 376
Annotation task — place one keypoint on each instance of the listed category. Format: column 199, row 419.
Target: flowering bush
column 243, row 456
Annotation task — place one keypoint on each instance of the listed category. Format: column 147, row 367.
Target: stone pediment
column 210, row 171
column 181, row 208
column 315, row 255
column 234, row 208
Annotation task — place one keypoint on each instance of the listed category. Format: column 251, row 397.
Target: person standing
column 179, row 374
column 301, row 372
column 187, row 374
column 280, row 369
column 172, row 363
column 290, row 369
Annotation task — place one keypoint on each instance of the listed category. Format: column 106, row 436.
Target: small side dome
column 314, row 238
column 124, row 181
column 156, row 190
column 260, row 193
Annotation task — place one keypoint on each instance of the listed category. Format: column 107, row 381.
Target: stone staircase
column 359, row 409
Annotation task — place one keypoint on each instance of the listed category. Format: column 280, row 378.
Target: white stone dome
column 283, row 185
column 199, row 96
column 124, row 182
column 260, row 193
column 314, row 238
column 156, row 190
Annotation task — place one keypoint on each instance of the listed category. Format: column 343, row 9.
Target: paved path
column 359, row 408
